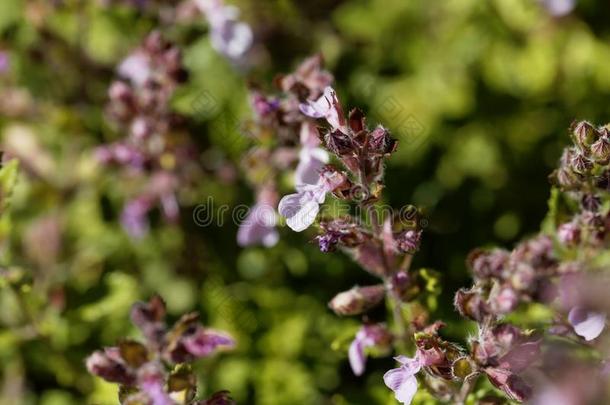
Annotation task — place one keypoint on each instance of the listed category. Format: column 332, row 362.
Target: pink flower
column 311, row 157
column 327, row 107
column 402, row 380
column 587, row 324
column 259, row 227
column 367, row 336
column 228, row 35
column 4, row 62
column 134, row 217
column 301, row 209
column 136, row 67
column 151, row 379
column 559, row 8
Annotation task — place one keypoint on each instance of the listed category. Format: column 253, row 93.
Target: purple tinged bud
column 581, row 164
column 600, row 150
column 569, row 234
column 486, row 264
column 470, row 304
column 584, row 134
column 409, row 241
column 220, row 398
column 109, row 365
column 503, row 300
column 401, row 283
column 149, row 318
column 339, row 143
column 591, row 202
column 357, row 300
column 566, row 178
column 380, row 141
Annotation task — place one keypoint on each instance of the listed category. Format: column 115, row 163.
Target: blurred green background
column 479, row 93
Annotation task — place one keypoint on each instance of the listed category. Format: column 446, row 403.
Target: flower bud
column 381, row 142
column 488, row 264
column 600, row 150
column 565, row 178
column 339, row 143
column 584, row 134
column 109, row 365
column 569, row 234
column 357, row 300
column 591, row 202
column 503, row 300
column 523, row 277
column 357, row 120
column 470, row 304
column 581, row 164
column 408, row 241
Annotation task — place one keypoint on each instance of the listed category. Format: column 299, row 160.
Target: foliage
column 477, row 94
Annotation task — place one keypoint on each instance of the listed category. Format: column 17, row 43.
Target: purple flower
column 109, row 365
column 4, row 62
column 569, row 233
column 228, row 35
column 151, row 379
column 402, row 380
column 264, row 106
column 327, row 107
column 311, row 158
column 311, row 163
column 134, row 217
column 587, row 324
column 367, row 336
column 301, row 209
column 136, row 68
column 204, row 342
column 559, row 8
column 259, row 227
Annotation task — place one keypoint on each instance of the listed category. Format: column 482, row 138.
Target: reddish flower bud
column 584, row 134
column 470, row 304
column 408, row 241
column 357, row 121
column 503, row 300
column 339, row 143
column 569, row 233
column 600, row 150
column 220, row 398
column 581, row 164
column 380, row 141
column 357, row 300
column 109, row 365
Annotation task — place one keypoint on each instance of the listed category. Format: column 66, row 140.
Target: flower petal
column 357, row 358
column 311, row 162
column 301, row 209
column 259, row 227
column 403, row 383
column 587, row 324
